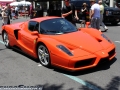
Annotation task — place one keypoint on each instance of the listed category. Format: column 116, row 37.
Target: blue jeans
column 95, row 23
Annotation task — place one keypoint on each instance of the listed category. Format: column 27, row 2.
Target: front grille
column 103, row 60
column 111, row 53
column 83, row 63
column 116, row 13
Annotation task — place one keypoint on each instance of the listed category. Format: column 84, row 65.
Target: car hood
column 112, row 9
column 81, row 40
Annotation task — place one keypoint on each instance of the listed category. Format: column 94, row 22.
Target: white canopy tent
column 14, row 4
column 25, row 3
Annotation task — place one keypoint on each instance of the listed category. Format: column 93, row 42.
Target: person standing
column 13, row 13
column 95, row 15
column 31, row 11
column 16, row 12
column 101, row 15
column 4, row 17
column 68, row 11
column 84, row 11
column 8, row 12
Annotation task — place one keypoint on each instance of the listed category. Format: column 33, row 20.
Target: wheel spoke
column 43, row 50
column 40, row 51
column 7, row 42
column 46, row 55
column 45, row 60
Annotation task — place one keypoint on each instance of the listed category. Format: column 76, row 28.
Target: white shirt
column 96, row 9
column 16, row 8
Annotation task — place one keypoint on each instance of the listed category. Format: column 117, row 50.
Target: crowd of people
column 96, row 11
column 9, row 13
column 6, row 14
column 68, row 12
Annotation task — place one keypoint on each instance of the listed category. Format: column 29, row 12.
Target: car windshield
column 57, row 26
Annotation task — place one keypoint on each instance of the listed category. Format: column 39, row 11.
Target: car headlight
column 106, row 38
column 64, row 49
column 108, row 13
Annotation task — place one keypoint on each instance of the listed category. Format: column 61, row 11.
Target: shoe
column 106, row 30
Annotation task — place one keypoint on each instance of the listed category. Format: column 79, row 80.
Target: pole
column 111, row 3
column 62, row 3
column 47, row 4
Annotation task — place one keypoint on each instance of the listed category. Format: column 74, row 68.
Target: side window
column 33, row 25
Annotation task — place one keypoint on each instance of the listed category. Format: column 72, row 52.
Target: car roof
column 40, row 19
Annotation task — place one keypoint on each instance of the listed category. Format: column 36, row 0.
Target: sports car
column 57, row 42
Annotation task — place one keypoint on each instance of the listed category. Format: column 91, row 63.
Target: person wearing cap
column 101, row 15
column 95, row 15
column 68, row 11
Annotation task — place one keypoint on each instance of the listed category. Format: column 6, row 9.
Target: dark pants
column 8, row 21
column 95, row 23
column 16, row 13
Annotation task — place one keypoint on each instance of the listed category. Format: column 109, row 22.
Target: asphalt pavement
column 19, row 69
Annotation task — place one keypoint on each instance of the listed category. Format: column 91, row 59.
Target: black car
column 111, row 15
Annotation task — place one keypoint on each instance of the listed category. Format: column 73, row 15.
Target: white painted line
column 80, row 81
column 1, row 42
column 117, row 41
column 39, row 65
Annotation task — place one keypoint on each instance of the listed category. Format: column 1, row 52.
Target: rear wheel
column 44, row 55
column 6, row 39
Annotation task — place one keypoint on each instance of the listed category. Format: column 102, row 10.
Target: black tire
column 44, row 55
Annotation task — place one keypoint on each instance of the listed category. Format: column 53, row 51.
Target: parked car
column 57, row 42
column 111, row 15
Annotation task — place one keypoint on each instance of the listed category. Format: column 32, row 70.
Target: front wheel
column 6, row 39
column 44, row 55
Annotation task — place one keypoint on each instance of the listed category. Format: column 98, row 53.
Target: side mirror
column 87, row 24
column 34, row 33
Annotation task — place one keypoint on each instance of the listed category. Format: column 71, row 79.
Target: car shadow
column 3, row 49
column 24, row 54
column 104, row 66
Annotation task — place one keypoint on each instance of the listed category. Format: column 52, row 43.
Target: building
column 55, row 5
column 46, row 3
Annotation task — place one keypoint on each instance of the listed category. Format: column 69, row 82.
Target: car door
column 29, row 40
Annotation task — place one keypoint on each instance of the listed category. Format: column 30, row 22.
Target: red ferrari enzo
column 55, row 41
